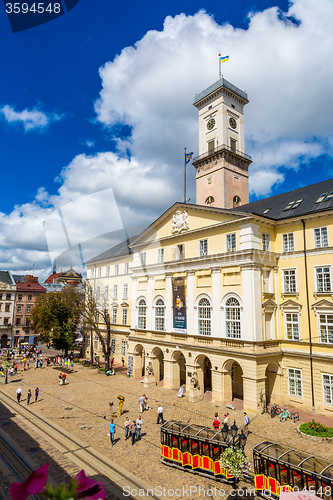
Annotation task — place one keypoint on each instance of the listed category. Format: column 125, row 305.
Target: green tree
column 56, row 315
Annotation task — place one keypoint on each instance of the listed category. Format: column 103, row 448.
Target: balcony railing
column 219, row 149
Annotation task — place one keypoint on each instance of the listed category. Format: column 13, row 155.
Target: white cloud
column 284, row 67
column 30, row 120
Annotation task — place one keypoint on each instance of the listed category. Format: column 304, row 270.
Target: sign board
column 179, row 305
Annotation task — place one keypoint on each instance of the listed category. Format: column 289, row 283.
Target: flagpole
column 220, row 75
column 185, row 176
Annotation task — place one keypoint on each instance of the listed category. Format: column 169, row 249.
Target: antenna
column 31, row 267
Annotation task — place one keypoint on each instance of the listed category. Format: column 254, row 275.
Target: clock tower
column 222, row 165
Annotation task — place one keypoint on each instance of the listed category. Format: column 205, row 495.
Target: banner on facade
column 179, row 305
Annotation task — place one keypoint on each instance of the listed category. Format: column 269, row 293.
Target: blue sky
column 101, row 99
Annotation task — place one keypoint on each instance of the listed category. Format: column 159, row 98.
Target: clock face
column 232, row 123
column 211, row 124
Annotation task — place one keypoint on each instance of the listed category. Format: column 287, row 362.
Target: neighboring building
column 56, row 281
column 27, row 292
column 241, row 296
column 7, row 301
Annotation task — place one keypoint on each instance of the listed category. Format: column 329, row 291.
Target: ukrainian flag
column 188, row 158
column 224, row 59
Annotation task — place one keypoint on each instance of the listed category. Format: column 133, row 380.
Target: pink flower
column 31, row 486
column 87, row 488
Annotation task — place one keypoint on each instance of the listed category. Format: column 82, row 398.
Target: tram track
column 114, row 477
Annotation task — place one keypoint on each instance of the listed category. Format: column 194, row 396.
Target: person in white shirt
column 160, row 414
column 142, row 403
column 18, row 394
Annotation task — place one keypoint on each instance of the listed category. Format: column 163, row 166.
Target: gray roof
column 305, row 200
column 119, row 250
column 5, row 277
column 222, row 82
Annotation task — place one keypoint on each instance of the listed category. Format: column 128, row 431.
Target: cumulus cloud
column 280, row 59
column 30, row 120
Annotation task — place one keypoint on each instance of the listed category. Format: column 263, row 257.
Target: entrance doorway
column 158, row 364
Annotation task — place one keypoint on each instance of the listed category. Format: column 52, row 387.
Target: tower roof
column 221, row 83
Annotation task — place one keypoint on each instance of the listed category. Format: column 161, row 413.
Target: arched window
column 232, row 318
column 204, row 317
column 142, row 314
column 159, row 315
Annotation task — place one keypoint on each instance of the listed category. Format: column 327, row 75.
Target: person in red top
column 216, row 424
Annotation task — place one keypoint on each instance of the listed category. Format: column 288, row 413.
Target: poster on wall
column 179, row 305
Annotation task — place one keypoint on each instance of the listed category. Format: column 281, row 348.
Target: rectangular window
column 289, row 281
column 320, row 237
column 328, row 388
column 143, row 257
column 126, row 268
column 5, row 321
column 160, row 255
column 98, row 292
column 123, row 347
column 326, row 328
column 267, row 281
column 8, row 296
column 19, row 309
column 95, row 342
column 115, row 292
column 29, row 297
column 203, row 248
column 99, row 272
column 7, row 308
column 106, row 292
column 211, row 145
column 265, row 242
column 180, row 252
column 233, row 144
column 107, row 271
column 295, row 382
column 231, row 242
column 28, row 309
column 113, row 346
column 116, row 269
column 125, row 291
column 18, row 298
column 88, row 341
column 124, row 317
column 323, row 279
column 91, row 274
column 288, row 242
column 114, row 315
column 18, row 321
column 292, row 326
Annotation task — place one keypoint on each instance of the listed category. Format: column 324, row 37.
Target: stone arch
column 158, row 363
column 138, row 361
column 179, row 369
column 232, row 381
column 272, row 382
column 203, row 367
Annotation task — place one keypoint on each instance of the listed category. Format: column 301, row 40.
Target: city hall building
column 237, row 293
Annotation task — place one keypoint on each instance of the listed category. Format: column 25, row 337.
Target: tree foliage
column 56, row 315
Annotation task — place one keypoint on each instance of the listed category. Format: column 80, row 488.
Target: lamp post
column 234, row 433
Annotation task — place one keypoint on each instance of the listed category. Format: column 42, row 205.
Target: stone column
column 251, row 391
column 150, row 319
column 217, row 385
column 134, row 318
column 171, row 377
column 226, row 387
column 251, row 315
column 216, row 292
column 193, row 394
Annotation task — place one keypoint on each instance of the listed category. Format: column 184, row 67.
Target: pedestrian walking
column 127, row 427
column 72, row 363
column 36, row 364
column 60, row 379
column 160, row 414
column 18, row 394
column 112, row 431
column 63, row 376
column 123, row 361
column 146, row 403
column 246, row 424
column 226, row 419
column 133, row 431
column 41, row 363
column 138, row 427
column 142, row 402
column 216, row 423
column 28, row 396
column 36, row 394
column 28, row 363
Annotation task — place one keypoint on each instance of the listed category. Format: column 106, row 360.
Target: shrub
column 235, row 462
column 315, row 429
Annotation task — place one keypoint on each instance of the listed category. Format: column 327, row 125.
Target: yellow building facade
column 239, row 296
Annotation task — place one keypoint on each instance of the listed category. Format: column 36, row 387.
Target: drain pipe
column 308, row 311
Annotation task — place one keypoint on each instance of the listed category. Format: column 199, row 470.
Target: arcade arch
column 272, row 382
column 203, row 367
column 179, row 368
column 233, row 380
column 139, row 361
column 158, row 364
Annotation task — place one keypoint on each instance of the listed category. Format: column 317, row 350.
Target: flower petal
column 94, row 489
column 32, row 485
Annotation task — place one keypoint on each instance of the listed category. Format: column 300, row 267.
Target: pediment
column 290, row 304
column 269, row 303
column 181, row 219
column 322, row 304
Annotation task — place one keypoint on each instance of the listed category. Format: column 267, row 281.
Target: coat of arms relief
column 180, row 222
